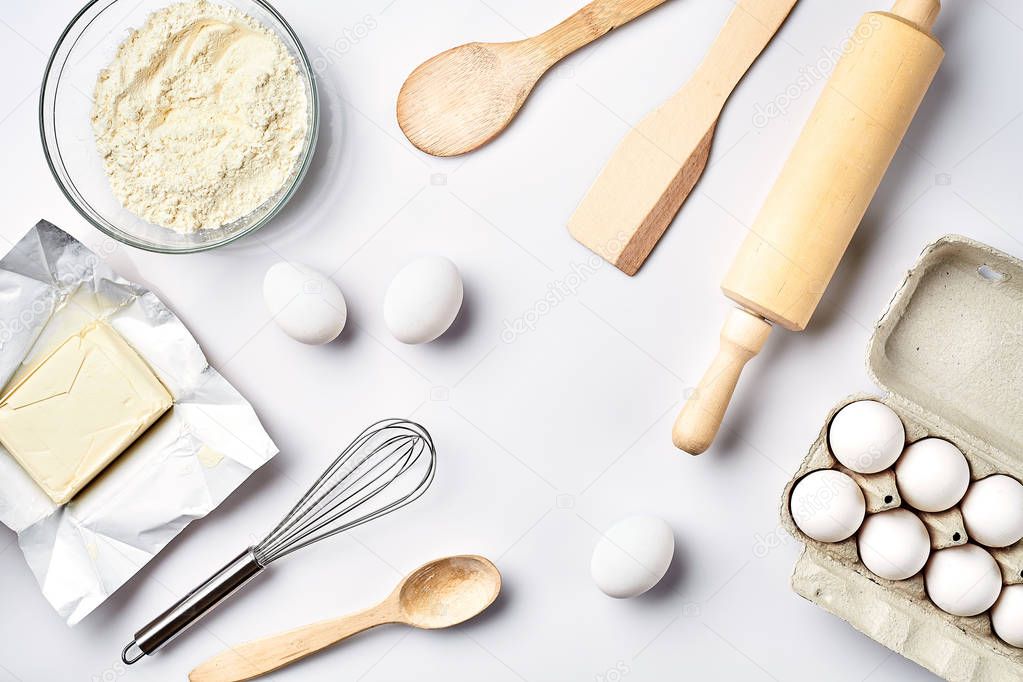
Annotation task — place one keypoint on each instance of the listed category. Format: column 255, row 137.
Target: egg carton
column 948, row 351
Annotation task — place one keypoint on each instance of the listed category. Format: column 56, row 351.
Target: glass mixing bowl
column 88, row 45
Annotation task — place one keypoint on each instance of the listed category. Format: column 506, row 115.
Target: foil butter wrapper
column 180, row 469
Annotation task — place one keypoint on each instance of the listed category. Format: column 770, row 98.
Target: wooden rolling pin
column 819, row 199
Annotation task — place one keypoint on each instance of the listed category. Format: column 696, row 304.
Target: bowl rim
column 125, row 238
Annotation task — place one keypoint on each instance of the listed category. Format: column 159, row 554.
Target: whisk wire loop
column 329, row 505
column 387, row 466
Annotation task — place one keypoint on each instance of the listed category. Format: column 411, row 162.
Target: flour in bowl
column 200, row 118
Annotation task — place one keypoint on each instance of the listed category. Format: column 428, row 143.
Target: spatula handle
column 256, row 658
column 742, row 337
column 589, row 23
column 749, row 28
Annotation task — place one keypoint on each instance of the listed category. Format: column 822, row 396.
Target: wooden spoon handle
column 589, row 23
column 252, row 659
column 742, row 337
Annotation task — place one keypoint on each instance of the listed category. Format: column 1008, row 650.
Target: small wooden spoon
column 462, row 98
column 439, row 594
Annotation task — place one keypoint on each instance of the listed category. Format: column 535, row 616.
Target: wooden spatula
column 462, row 98
column 654, row 168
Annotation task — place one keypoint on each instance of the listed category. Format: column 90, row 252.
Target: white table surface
column 546, row 438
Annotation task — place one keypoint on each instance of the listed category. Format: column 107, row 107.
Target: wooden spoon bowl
column 448, row 591
column 465, row 96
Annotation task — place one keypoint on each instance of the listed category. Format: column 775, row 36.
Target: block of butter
column 79, row 408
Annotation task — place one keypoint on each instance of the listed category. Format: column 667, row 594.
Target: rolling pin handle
column 742, row 337
column 922, row 13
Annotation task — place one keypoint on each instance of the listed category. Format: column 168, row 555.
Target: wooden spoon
column 462, row 98
column 439, row 594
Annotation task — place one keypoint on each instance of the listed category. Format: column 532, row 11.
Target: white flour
column 200, row 117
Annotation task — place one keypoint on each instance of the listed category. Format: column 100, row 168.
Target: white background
column 548, row 439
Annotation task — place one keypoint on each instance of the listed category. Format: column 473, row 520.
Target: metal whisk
column 387, row 466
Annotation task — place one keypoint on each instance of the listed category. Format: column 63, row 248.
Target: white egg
column 932, row 475
column 993, row 511
column 894, row 544
column 632, row 556
column 827, row 505
column 963, row 580
column 305, row 304
column 867, row 436
column 423, row 299
column 1007, row 616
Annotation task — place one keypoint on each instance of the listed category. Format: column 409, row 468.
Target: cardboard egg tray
column 948, row 351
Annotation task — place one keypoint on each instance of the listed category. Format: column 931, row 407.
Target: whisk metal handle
column 192, row 606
